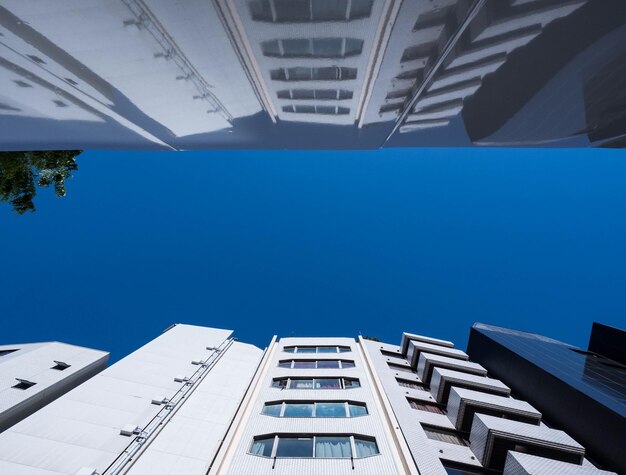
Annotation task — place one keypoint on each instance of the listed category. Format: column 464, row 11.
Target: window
column 392, row 354
column 397, row 367
column 316, row 349
column 299, row 73
column 21, row 83
column 425, row 406
column 316, row 364
column 443, row 435
column 315, row 409
column 6, row 352
column 36, row 59
column 320, row 95
column 304, row 11
column 313, row 48
column 453, row 468
column 60, row 366
column 314, row 446
column 23, row 384
column 411, row 384
column 326, row 110
column 315, row 383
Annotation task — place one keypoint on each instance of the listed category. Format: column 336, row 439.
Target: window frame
column 338, row 349
column 342, row 383
column 340, row 363
column 351, row 437
column 347, row 405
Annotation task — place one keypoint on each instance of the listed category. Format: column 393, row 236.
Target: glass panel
column 301, row 384
column 304, row 94
column 329, row 383
column 288, row 349
column 270, row 48
column 298, row 410
column 365, row 448
column 284, row 364
column 328, row 110
column 345, row 349
column 351, row 383
column 323, row 74
column 326, row 94
column 347, row 364
column 353, row 46
column 306, row 349
column 326, row 349
column 357, row 410
column 292, row 10
column 296, row 48
column 304, row 364
column 444, row 436
column 329, row 10
column 332, row 447
column 279, row 383
column 300, row 447
column 262, row 447
column 299, row 74
column 330, row 409
column 360, row 9
column 333, row 364
column 305, row 109
column 272, row 409
column 261, row 10
column 327, row 47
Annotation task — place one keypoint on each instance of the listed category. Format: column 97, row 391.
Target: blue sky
column 319, row 243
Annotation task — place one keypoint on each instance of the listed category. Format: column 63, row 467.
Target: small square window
column 24, row 384
column 60, row 366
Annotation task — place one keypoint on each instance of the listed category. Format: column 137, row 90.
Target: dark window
column 453, row 468
column 315, row 383
column 444, row 435
column 21, row 83
column 425, row 406
column 295, row 447
column 392, row 354
column 36, row 59
column 60, row 366
column 411, row 384
column 6, row 352
column 299, row 73
column 304, row 11
column 397, row 367
column 324, row 110
column 23, row 384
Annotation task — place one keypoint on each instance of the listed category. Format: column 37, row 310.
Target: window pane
column 332, row 447
column 328, row 110
column 284, row 364
column 298, row 410
column 352, row 383
column 304, row 94
column 333, row 364
column 444, row 436
column 324, row 74
column 279, row 383
column 330, row 383
column 304, row 364
column 326, row 349
column 288, row 349
column 360, row 9
column 292, row 10
column 296, row 47
column 330, row 409
column 365, row 447
column 347, row 364
column 262, row 447
column 270, row 48
column 353, row 46
column 300, row 447
column 301, row 384
column 329, row 10
column 357, row 410
column 345, row 349
column 306, row 349
column 327, row 47
column 272, row 410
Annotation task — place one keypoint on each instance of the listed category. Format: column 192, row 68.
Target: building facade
column 196, row 401
column 33, row 375
column 582, row 391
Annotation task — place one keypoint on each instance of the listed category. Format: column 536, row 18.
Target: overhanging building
column 196, row 401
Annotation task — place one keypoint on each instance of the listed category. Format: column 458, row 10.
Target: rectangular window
column 263, row 447
column 351, row 383
column 365, row 447
column 304, row 364
column 425, row 406
column 332, row 364
column 301, row 447
column 332, row 447
column 327, row 349
column 330, row 383
column 24, row 384
column 299, row 410
column 330, row 409
column 304, row 11
column 410, row 384
column 272, row 409
column 443, row 435
column 299, row 73
column 301, row 384
column 357, row 410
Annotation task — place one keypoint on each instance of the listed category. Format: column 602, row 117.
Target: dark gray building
column 580, row 391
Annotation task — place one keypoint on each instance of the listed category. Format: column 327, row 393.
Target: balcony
column 523, row 464
column 443, row 380
column 427, row 362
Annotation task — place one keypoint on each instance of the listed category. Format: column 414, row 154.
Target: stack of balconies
column 497, row 30
column 504, row 434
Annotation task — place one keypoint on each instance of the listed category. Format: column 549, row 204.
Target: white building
column 195, row 401
column 33, row 375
